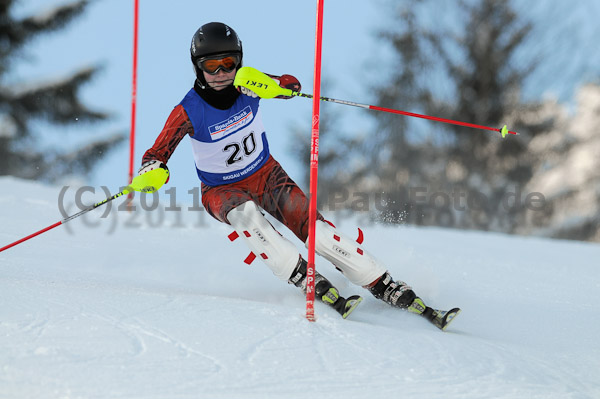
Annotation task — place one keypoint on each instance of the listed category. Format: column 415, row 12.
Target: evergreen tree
column 569, row 175
column 400, row 158
column 476, row 59
column 56, row 102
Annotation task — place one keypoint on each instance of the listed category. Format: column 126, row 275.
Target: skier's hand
column 288, row 82
column 151, row 165
column 151, row 177
column 247, row 92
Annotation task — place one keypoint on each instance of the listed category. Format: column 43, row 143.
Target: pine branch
column 56, row 101
column 52, row 165
column 44, row 22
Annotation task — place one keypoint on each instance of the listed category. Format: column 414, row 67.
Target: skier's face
column 219, row 80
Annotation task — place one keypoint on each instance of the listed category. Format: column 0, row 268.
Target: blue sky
column 277, row 39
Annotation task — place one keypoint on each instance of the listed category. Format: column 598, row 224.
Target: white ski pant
column 281, row 255
column 347, row 255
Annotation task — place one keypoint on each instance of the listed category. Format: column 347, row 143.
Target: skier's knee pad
column 280, row 255
column 347, row 255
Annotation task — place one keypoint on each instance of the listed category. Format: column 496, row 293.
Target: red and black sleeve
column 178, row 125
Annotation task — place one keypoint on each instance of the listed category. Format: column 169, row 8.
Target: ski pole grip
column 150, row 181
column 260, row 83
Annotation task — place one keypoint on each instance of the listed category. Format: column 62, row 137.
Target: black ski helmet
column 211, row 39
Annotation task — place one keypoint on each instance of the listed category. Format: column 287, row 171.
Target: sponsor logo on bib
column 232, row 124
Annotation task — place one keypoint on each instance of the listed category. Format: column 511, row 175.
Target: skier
column 240, row 180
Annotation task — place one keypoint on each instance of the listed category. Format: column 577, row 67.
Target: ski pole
column 65, row 220
column 147, row 182
column 265, row 87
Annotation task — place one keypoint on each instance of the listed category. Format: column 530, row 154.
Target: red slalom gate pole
column 314, row 168
column 133, row 89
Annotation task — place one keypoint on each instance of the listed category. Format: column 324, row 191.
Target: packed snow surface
column 159, row 304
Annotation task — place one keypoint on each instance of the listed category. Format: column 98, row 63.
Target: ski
column 441, row 318
column 348, row 305
column 351, row 304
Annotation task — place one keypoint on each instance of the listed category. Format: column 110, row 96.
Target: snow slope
column 116, row 308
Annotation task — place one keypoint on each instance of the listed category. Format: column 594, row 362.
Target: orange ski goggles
column 212, row 65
